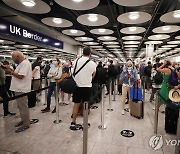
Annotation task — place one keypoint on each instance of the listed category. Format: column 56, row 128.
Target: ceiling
column 115, row 28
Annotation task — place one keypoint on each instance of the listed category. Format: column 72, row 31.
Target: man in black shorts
column 83, row 80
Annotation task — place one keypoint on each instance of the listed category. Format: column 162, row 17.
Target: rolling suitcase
column 171, row 119
column 136, row 103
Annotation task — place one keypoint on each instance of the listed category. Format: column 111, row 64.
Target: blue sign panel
column 12, row 29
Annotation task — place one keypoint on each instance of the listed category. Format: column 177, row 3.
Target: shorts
column 81, row 94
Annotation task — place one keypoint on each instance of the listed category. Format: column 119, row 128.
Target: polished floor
column 45, row 137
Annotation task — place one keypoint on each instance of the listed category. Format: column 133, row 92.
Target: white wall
column 70, row 48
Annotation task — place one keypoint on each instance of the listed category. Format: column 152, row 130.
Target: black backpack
column 158, row 78
column 101, row 75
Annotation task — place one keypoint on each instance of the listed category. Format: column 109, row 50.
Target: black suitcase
column 31, row 99
column 171, row 119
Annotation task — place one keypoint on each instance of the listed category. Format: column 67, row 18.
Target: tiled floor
column 45, row 137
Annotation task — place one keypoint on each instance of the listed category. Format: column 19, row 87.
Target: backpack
column 112, row 71
column 101, row 75
column 173, row 79
column 158, row 78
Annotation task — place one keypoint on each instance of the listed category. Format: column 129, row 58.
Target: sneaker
column 127, row 109
column 45, row 110
column 122, row 112
column 75, row 126
column 107, row 94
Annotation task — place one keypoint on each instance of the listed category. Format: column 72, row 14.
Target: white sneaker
column 122, row 112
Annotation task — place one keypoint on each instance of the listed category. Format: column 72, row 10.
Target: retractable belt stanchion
column 177, row 148
column 156, row 113
column 102, row 126
column 45, row 85
column 114, row 91
column 85, row 127
column 144, row 90
column 110, row 96
column 57, row 121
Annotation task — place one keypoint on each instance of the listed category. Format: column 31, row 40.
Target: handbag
column 63, row 76
column 68, row 85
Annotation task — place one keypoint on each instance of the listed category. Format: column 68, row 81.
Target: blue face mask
column 54, row 62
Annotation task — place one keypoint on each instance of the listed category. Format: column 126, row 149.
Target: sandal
column 21, row 129
column 19, row 124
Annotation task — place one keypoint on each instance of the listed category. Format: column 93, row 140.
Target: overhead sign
column 12, row 29
column 127, row 133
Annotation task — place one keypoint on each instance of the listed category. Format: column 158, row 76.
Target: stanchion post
column 85, row 128
column 110, row 96
column 45, row 85
column 156, row 113
column 57, row 121
column 114, row 91
column 144, row 90
column 177, row 148
column 102, row 126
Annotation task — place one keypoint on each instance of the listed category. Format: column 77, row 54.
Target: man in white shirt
column 83, row 80
column 21, row 83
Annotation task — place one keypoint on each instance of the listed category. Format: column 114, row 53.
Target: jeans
column 4, row 95
column 50, row 91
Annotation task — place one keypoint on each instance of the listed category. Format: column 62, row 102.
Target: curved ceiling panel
column 132, row 37
column 78, row 4
column 106, row 38
column 91, row 43
column 177, row 37
column 101, row 31
column 173, row 42
column 153, row 42
column 83, row 39
column 92, row 19
column 131, row 46
column 73, row 32
column 56, row 22
column 25, row 46
column 131, row 42
column 30, row 6
column 171, row 17
column 132, row 30
column 134, row 17
column 6, row 42
column 158, row 37
column 132, row 2
column 166, row 29
column 110, row 43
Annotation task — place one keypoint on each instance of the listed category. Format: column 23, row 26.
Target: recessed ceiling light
column 106, row 37
column 84, row 38
column 158, row 36
column 131, row 37
column 132, row 29
column 57, row 20
column 101, row 30
column 93, row 17
column 45, row 40
column 166, row 28
column 3, row 27
column 176, row 14
column 4, row 46
column 77, row 0
column 56, row 44
column 1, row 41
column 74, row 31
column 26, row 46
column 28, row 3
column 134, row 15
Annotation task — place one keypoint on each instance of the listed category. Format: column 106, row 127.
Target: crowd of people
column 25, row 77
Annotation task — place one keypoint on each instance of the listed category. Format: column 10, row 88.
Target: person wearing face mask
column 21, row 83
column 54, row 74
column 128, row 77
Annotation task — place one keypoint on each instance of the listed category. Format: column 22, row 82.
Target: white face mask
column 54, row 62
